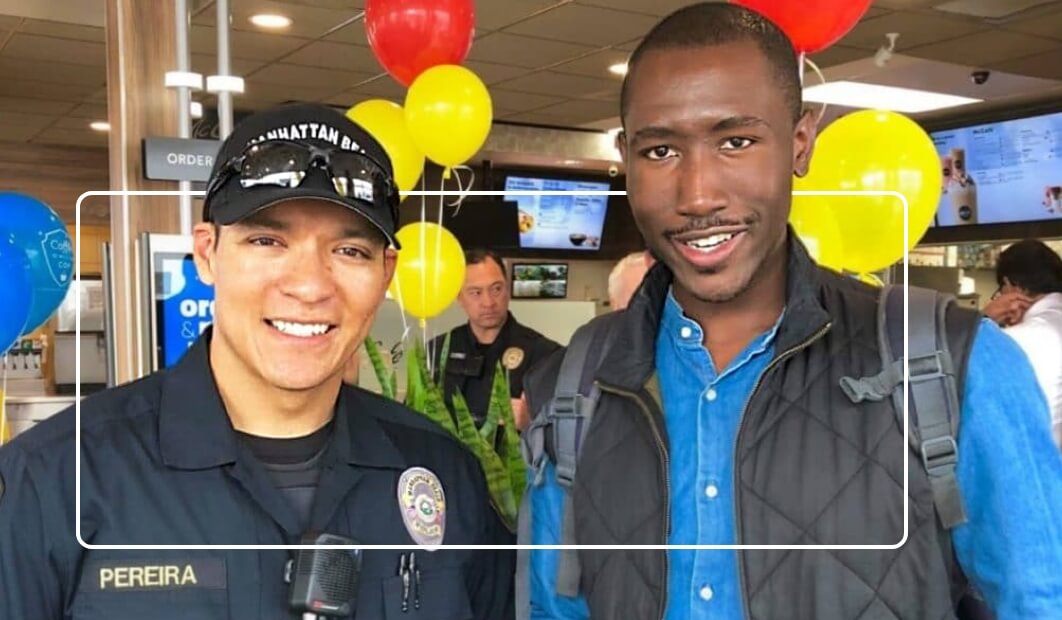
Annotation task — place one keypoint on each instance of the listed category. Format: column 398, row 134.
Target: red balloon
column 410, row 36
column 812, row 25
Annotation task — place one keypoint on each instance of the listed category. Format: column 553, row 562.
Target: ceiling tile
column 383, row 87
column 511, row 49
column 1047, row 65
column 659, row 8
column 250, row 45
column 536, row 118
column 56, row 50
column 16, row 133
column 915, row 29
column 276, row 93
column 74, row 123
column 837, row 55
column 89, row 110
column 63, row 31
column 331, row 55
column 497, row 14
column 45, row 90
column 34, row 106
column 508, row 100
column 353, row 34
column 67, row 136
column 563, row 84
column 35, row 122
column 61, row 72
column 570, row 23
column 595, row 65
column 906, row 4
column 492, row 73
column 578, row 111
column 296, row 77
column 97, row 96
column 207, row 64
column 10, row 22
column 985, row 47
column 1043, row 25
column 629, row 45
column 307, row 20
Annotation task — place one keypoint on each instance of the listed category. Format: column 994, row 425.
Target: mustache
column 695, row 224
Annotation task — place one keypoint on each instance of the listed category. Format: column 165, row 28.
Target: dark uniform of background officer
column 491, row 336
column 251, row 439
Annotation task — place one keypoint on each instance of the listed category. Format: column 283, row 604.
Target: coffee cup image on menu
column 1053, row 198
column 961, row 190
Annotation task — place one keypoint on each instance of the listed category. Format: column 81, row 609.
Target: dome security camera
column 613, row 170
column 980, row 77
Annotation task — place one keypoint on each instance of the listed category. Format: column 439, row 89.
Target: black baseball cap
column 308, row 123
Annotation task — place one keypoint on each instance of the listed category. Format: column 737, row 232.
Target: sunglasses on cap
column 283, row 163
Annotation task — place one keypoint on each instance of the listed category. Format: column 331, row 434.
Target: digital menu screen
column 1003, row 172
column 560, row 222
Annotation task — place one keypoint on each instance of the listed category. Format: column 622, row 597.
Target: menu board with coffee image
column 1001, row 172
column 563, row 221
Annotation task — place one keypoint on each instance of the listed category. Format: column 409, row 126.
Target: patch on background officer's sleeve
column 423, row 505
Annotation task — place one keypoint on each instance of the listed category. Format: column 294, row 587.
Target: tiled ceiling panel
column 544, row 61
column 585, row 25
column 527, row 52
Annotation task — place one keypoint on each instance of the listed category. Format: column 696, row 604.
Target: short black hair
column 476, row 256
column 1031, row 265
column 709, row 24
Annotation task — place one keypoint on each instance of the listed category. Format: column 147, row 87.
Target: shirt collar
column 687, row 333
column 1051, row 302
column 195, row 431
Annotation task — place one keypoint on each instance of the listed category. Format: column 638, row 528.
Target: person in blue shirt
column 721, row 420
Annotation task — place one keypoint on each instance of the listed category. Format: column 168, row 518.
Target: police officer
column 252, row 439
column 491, row 336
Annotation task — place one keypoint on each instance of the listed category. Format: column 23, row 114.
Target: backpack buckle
column 939, row 452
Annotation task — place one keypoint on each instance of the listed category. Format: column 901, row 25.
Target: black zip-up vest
column 811, row 468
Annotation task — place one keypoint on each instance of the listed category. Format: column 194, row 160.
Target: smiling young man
column 252, row 439
column 721, row 419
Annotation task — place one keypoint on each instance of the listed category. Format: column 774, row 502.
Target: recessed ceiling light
column 876, row 96
column 620, row 68
column 100, row 125
column 271, row 21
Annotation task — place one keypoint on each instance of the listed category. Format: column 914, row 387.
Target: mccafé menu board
column 559, row 222
column 1003, row 172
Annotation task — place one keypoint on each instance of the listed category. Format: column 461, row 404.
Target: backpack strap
column 933, row 399
column 556, row 435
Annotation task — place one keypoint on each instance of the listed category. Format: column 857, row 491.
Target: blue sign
column 184, row 306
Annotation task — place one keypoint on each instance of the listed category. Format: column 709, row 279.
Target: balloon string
column 800, row 67
column 437, row 271
column 462, row 188
column 822, row 78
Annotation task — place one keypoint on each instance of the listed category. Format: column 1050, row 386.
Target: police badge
column 512, row 358
column 423, row 505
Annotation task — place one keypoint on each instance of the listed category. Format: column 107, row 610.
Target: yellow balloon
column 449, row 113
column 817, row 227
column 430, row 269
column 876, row 150
column 386, row 121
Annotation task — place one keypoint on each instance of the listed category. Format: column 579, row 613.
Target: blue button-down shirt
column 1009, row 473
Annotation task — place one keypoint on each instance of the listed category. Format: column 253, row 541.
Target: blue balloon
column 39, row 232
column 16, row 292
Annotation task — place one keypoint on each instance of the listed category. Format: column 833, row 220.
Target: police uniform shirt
column 161, row 465
column 470, row 365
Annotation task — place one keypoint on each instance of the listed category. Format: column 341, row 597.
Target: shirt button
column 711, row 491
column 685, row 332
column 710, row 394
column 706, row 593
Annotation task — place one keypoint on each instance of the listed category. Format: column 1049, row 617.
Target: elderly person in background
column 626, row 277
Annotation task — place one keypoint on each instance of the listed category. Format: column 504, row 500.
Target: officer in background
column 252, row 439
column 491, row 336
